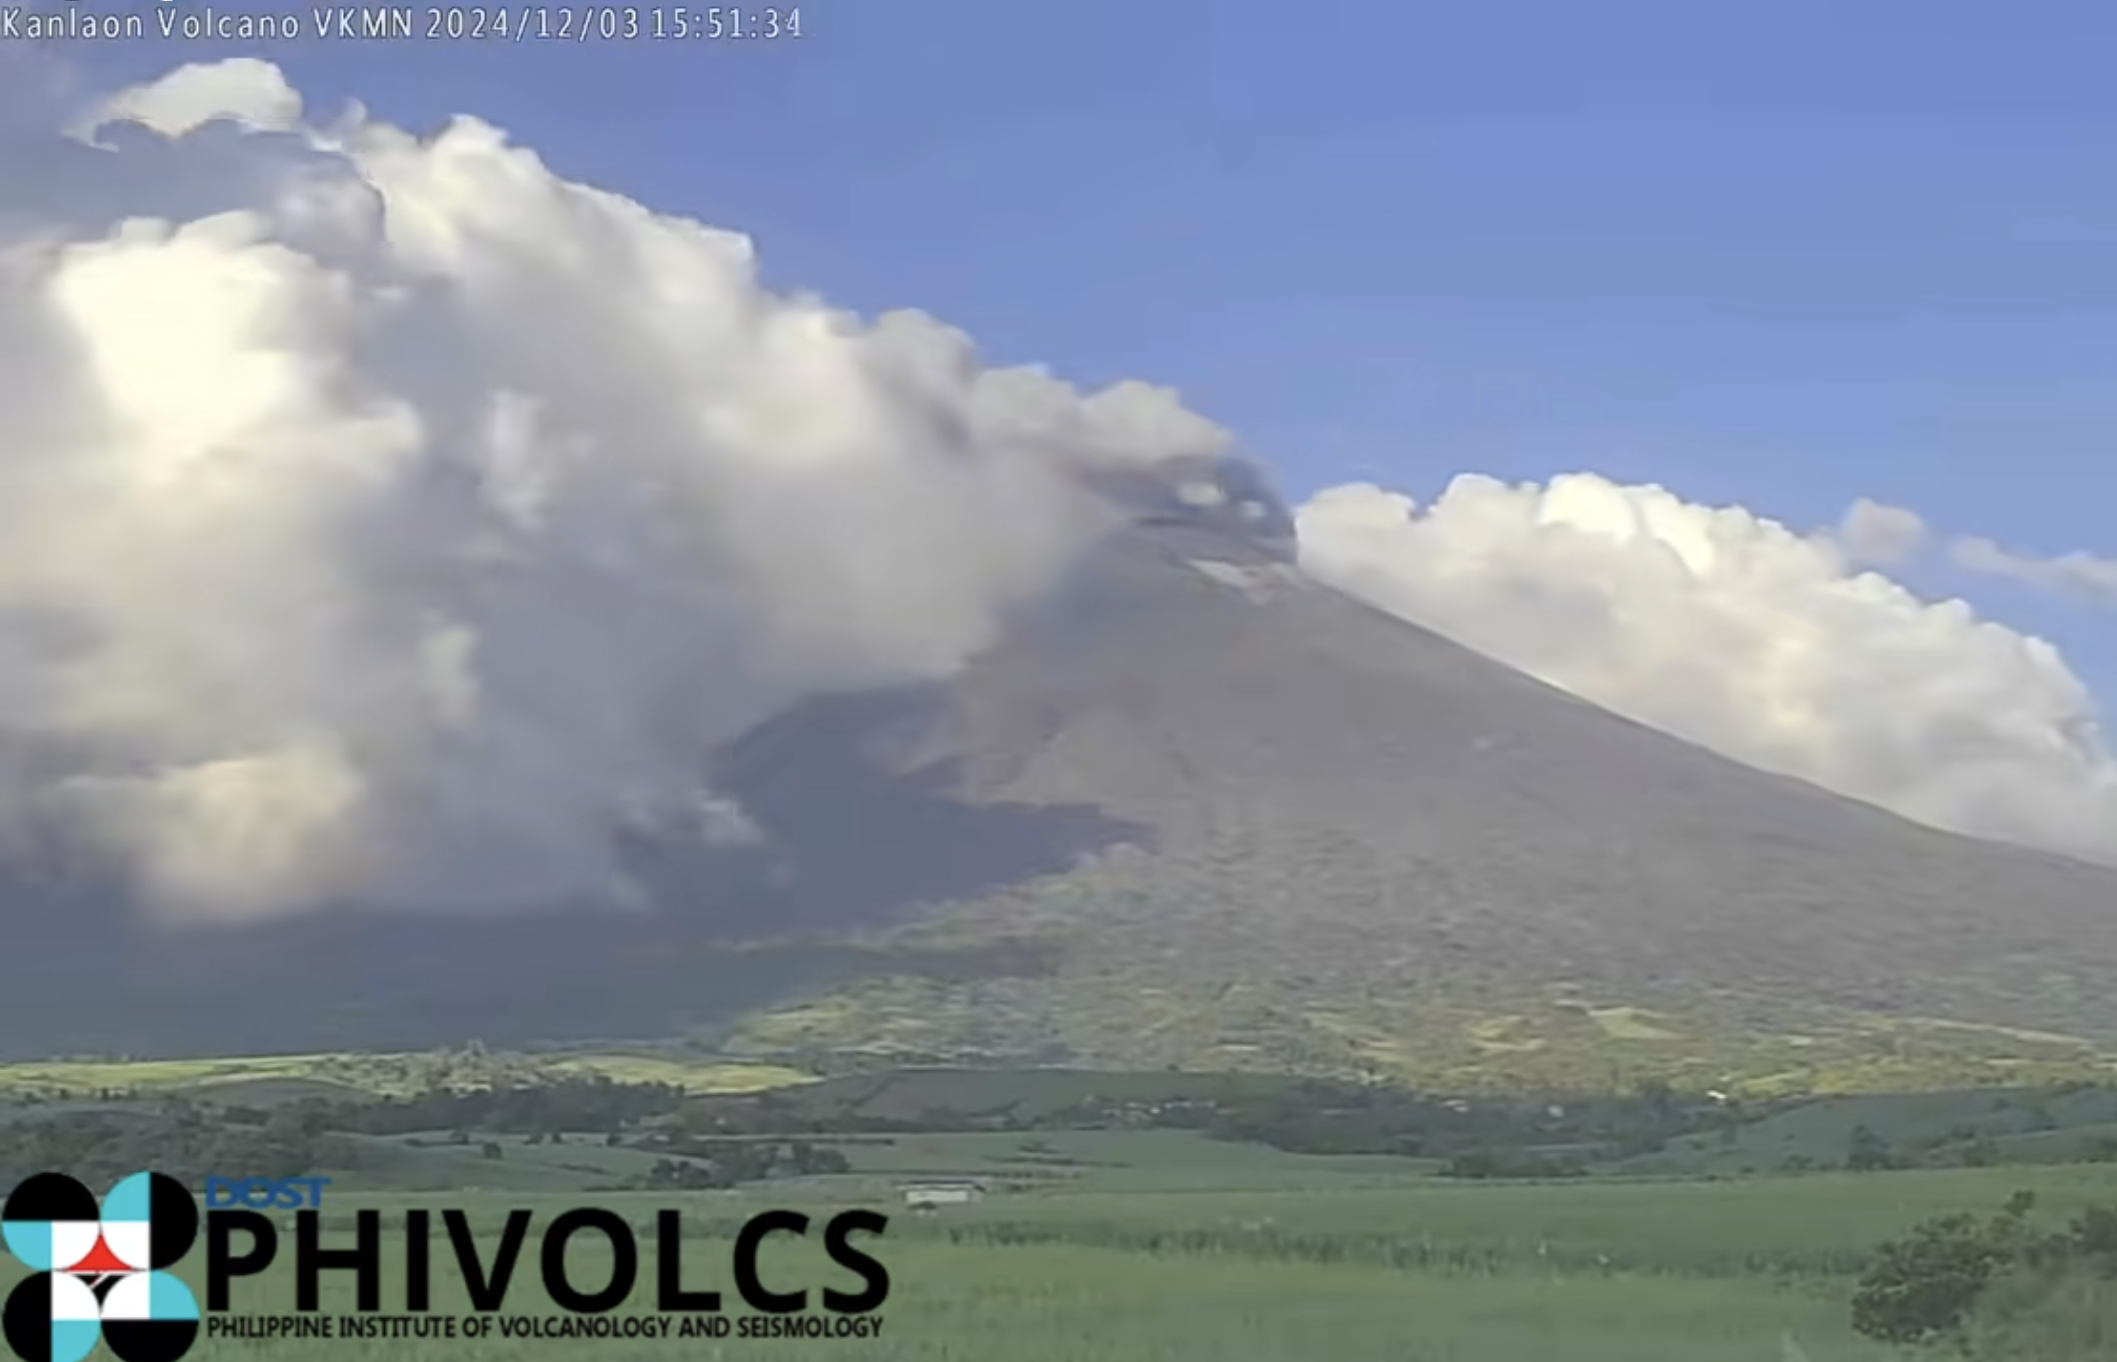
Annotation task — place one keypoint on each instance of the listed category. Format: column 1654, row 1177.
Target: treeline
column 1404, row 1250
column 593, row 1103
column 1306, row 1116
column 714, row 1164
column 191, row 1138
column 182, row 1139
column 650, row 1117
column 726, row 1140
column 1478, row 1138
column 729, row 1139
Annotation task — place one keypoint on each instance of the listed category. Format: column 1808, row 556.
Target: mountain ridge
column 1195, row 808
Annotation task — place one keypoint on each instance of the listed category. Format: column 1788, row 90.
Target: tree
column 1923, row 1286
column 1867, row 1152
column 1982, row 1152
column 809, row 1160
column 1997, row 1288
column 1659, row 1096
column 2095, row 1231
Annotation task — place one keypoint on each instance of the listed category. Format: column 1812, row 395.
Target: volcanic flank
column 1194, row 808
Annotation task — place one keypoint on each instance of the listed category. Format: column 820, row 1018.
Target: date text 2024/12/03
column 562, row 23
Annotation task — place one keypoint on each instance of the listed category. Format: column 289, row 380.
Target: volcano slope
column 1198, row 810
column 1321, row 831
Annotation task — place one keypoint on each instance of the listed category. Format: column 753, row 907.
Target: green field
column 1053, row 1161
column 1079, row 1302
column 1396, row 1268
column 1103, row 1235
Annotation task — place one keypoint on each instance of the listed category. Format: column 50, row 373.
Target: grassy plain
column 1131, row 1245
column 1086, row 1302
column 1171, row 1249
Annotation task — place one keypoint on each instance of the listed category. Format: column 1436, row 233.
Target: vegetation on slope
column 476, row 1103
column 1476, row 1040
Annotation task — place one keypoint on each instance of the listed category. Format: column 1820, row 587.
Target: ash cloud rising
column 388, row 519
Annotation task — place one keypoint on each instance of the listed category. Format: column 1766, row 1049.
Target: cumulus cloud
column 387, row 519
column 241, row 90
column 1730, row 630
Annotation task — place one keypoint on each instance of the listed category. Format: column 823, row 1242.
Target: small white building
column 924, row 1196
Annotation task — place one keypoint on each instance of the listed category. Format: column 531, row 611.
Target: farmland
column 1381, row 1265
column 1120, row 1223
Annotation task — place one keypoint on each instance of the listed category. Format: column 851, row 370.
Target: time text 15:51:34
column 717, row 23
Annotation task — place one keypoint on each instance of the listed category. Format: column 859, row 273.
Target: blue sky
column 1783, row 258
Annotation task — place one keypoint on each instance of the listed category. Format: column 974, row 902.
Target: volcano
column 1194, row 808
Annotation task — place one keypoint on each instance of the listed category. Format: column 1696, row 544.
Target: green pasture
column 1081, row 1303
column 1128, row 1160
column 1412, row 1270
column 1086, row 1160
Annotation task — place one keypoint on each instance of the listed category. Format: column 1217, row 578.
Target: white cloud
column 1740, row 635
column 240, row 90
column 1873, row 533
column 1883, row 536
column 393, row 518
column 2082, row 574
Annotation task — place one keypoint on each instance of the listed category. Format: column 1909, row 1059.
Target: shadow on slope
column 865, row 802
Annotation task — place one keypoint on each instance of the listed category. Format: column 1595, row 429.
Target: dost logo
column 98, row 1271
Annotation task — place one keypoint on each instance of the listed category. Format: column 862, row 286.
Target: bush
column 1924, row 1286
column 1997, row 1288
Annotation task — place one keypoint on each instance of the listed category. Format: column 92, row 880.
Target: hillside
column 1317, row 834
column 1197, row 810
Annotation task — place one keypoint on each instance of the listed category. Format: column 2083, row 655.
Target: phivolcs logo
column 101, row 1272
column 98, row 1272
